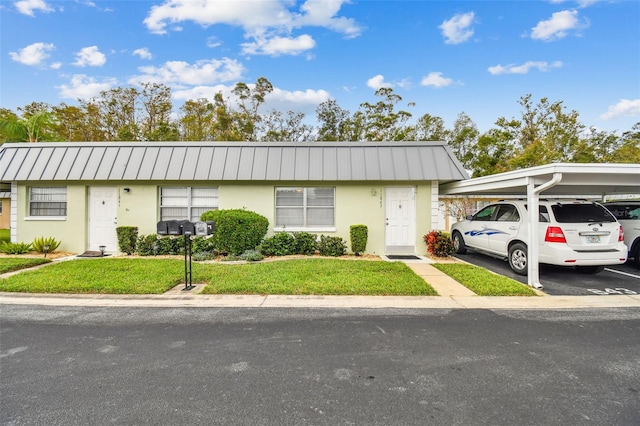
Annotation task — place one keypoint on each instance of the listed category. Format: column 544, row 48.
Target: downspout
column 533, row 193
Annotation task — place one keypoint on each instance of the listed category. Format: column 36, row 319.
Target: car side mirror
column 469, row 217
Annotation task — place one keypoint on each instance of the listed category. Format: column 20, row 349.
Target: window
column 507, row 213
column 51, row 201
column 305, row 207
column 186, row 203
column 486, row 213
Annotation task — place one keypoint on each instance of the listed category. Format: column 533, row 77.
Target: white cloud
column 558, row 26
column 27, row 7
column 524, row 68
column 143, row 53
column 458, row 29
column 90, row 56
column 56, row 65
column 33, row 54
column 277, row 46
column 269, row 23
column 182, row 73
column 581, row 3
column 84, row 87
column 436, row 79
column 376, row 82
column 624, row 108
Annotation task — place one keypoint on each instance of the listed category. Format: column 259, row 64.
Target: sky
column 442, row 57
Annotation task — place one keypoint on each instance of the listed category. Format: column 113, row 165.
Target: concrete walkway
column 452, row 295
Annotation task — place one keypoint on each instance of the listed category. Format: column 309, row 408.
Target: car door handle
column 513, row 228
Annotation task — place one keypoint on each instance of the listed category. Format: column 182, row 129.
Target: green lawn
column 155, row 276
column 317, row 276
column 483, row 282
column 9, row 264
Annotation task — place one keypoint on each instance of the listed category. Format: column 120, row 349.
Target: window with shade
column 48, row 201
column 305, row 208
column 187, row 203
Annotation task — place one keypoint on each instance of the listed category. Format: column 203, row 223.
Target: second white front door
column 400, row 220
column 103, row 210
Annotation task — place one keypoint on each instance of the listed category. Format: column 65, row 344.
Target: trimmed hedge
column 127, row 238
column 236, row 230
column 359, row 235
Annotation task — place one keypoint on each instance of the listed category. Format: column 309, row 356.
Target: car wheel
column 589, row 269
column 458, row 243
column 518, row 258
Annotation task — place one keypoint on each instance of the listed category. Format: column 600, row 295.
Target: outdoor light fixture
column 127, row 190
column 155, row 249
column 46, row 248
column 102, row 249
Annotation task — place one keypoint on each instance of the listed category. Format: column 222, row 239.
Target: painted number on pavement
column 608, row 291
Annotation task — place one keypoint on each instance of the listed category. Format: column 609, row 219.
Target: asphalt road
column 561, row 281
column 79, row 366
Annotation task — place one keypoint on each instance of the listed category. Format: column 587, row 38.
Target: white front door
column 103, row 210
column 400, row 220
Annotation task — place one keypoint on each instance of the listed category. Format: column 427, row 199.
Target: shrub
column 39, row 243
column 332, row 246
column 201, row 256
column 251, row 256
column 171, row 246
column 202, row 244
column 15, row 248
column 236, row 230
column 305, row 243
column 280, row 244
column 145, row 243
column 359, row 234
column 439, row 243
column 127, row 238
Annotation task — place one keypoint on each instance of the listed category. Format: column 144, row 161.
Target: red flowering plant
column 439, row 243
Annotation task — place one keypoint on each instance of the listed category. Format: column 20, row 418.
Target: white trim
column 14, row 212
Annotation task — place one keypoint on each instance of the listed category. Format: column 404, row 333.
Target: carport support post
column 533, row 203
column 533, row 271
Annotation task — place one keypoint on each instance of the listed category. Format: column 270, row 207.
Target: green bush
column 236, row 230
column 127, row 238
column 251, row 256
column 145, row 243
column 359, row 235
column 171, row 245
column 305, row 243
column 39, row 243
column 332, row 246
column 439, row 243
column 204, row 245
column 280, row 244
column 201, row 256
column 14, row 248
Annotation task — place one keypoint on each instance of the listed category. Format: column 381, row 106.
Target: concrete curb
column 365, row 302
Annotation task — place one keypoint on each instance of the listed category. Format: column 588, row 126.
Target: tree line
column 544, row 133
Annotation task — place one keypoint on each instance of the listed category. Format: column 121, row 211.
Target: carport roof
column 575, row 179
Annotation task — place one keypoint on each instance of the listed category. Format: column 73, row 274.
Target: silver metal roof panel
column 229, row 161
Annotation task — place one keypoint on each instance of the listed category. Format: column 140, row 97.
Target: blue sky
column 447, row 57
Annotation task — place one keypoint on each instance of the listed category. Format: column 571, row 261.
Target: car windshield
column 581, row 213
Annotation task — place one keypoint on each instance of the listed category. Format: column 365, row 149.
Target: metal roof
column 229, row 161
column 580, row 179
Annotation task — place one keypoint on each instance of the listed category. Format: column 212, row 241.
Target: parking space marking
column 622, row 273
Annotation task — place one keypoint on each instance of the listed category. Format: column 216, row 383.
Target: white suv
column 571, row 233
column 628, row 214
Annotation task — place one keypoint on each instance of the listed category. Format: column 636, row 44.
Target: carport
column 561, row 180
